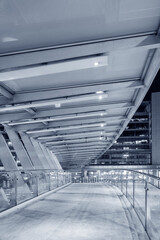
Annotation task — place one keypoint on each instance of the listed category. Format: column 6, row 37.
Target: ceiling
column 73, row 73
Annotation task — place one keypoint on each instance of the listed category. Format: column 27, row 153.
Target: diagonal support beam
column 5, row 93
column 40, row 154
column 31, row 151
column 6, row 156
column 19, row 148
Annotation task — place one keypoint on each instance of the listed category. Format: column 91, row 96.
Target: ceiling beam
column 54, row 68
column 147, row 40
column 74, row 135
column 84, row 140
column 81, row 144
column 7, row 117
column 54, row 102
column 100, row 124
column 106, row 86
column 73, row 122
column 60, row 118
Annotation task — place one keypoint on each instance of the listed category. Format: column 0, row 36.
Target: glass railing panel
column 53, row 180
column 19, row 186
column 140, row 197
column 25, row 184
column 153, row 202
column 7, row 191
column 43, row 181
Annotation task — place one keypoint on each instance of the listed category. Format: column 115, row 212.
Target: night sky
column 155, row 87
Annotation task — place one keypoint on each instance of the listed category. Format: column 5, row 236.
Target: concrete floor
column 80, row 211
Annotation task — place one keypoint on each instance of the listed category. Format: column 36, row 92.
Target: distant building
column 134, row 144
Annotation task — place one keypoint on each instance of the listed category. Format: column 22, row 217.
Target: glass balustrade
column 142, row 189
column 19, row 186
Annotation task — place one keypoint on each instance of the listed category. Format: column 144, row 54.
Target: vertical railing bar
column 15, row 189
column 133, row 189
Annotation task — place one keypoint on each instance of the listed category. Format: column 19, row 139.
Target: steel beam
column 105, row 86
column 47, row 157
column 6, row 157
column 78, row 126
column 54, row 158
column 7, row 117
column 66, row 123
column 40, row 154
column 19, row 148
column 122, row 43
column 31, row 151
column 6, row 93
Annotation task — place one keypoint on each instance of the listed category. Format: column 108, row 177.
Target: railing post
column 146, row 206
column 133, row 189
column 126, row 184
column 121, row 182
column 15, row 189
column 57, row 179
column 49, row 183
column 36, row 181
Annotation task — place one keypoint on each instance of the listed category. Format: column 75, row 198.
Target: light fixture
column 100, row 97
column 53, row 68
column 57, row 105
column 99, row 92
column 102, row 125
column 101, row 114
column 96, row 64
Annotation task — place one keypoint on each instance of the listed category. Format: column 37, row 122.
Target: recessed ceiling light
column 57, row 105
column 102, row 125
column 96, row 64
column 102, row 114
column 99, row 92
column 100, row 97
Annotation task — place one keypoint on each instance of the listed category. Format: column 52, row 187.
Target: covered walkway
column 79, row 211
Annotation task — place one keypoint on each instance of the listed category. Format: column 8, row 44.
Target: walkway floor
column 77, row 212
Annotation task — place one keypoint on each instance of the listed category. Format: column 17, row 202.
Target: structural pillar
column 40, row 154
column 46, row 155
column 19, row 148
column 155, row 128
column 6, row 156
column 31, row 151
